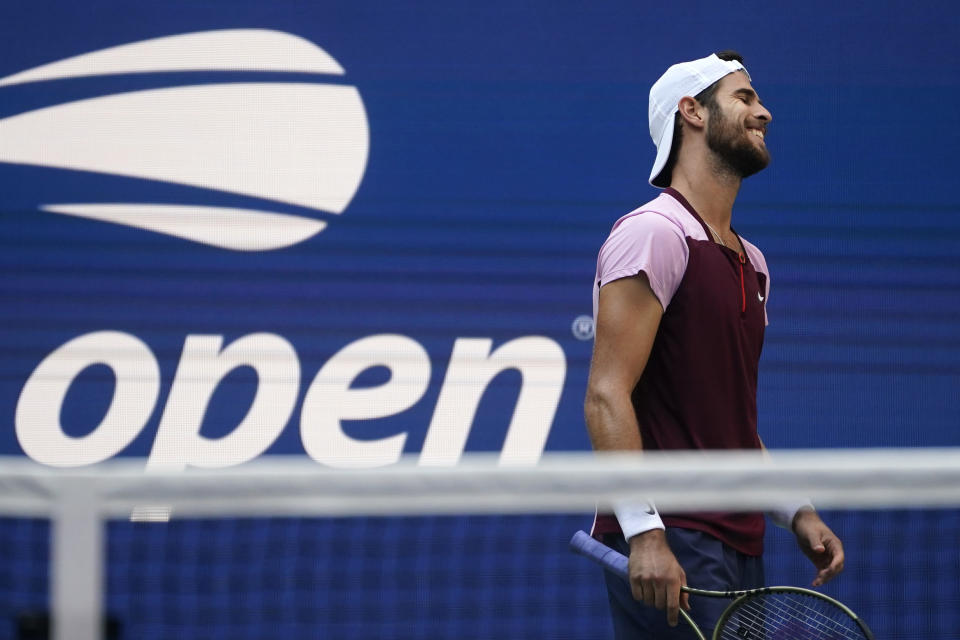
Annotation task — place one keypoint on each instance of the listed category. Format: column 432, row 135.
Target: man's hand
column 655, row 574
column 820, row 544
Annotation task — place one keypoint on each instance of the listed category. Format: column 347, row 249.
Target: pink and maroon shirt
column 699, row 388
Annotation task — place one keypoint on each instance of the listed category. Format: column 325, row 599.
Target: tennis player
column 680, row 310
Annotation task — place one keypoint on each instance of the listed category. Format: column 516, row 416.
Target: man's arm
column 819, row 544
column 817, row 541
column 628, row 316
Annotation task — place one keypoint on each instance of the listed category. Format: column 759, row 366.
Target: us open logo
column 295, row 143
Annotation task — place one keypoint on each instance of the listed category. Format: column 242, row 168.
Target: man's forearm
column 611, row 421
column 612, row 425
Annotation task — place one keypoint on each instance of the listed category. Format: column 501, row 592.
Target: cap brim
column 663, row 153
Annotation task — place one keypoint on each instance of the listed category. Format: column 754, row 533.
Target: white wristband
column 636, row 517
column 783, row 517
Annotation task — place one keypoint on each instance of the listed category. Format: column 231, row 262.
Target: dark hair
column 707, row 98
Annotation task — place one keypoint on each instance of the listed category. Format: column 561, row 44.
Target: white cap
column 680, row 80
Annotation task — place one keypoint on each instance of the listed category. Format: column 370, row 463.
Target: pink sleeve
column 760, row 264
column 646, row 242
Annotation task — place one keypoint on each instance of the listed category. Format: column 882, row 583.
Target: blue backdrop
column 504, row 140
column 490, row 148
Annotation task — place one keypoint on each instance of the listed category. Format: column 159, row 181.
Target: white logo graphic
column 759, row 297
column 304, row 144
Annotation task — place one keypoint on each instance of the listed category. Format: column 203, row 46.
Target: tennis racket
column 769, row 613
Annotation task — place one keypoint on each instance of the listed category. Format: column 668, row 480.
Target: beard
column 729, row 143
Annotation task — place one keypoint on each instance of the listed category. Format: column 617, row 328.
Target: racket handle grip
column 611, row 560
column 616, row 563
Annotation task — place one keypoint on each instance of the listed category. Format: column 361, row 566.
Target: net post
column 76, row 562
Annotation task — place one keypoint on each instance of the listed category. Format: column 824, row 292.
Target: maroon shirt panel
column 699, row 388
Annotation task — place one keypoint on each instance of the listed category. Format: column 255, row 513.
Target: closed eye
column 747, row 96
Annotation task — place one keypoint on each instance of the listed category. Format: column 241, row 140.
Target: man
column 680, row 310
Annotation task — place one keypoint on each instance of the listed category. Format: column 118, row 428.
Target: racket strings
column 791, row 615
column 787, row 618
column 782, row 616
column 790, row 608
column 763, row 623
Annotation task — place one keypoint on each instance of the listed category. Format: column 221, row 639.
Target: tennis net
column 285, row 548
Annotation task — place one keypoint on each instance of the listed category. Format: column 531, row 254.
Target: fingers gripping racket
column 770, row 613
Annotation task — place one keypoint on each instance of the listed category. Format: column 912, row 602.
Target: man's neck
column 711, row 191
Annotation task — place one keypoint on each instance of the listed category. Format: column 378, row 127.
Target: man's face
column 737, row 126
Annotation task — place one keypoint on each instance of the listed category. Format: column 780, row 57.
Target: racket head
column 782, row 613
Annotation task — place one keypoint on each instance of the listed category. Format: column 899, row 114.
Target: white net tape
column 478, row 484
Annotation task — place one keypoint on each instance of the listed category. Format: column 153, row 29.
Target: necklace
column 715, row 234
